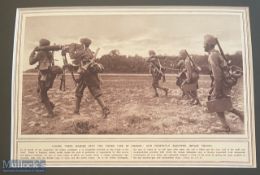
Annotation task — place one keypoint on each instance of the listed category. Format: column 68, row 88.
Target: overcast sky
column 135, row 34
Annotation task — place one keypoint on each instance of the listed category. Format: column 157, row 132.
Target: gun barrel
column 96, row 53
column 49, row 48
column 222, row 53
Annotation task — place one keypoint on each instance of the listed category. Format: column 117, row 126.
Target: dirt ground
column 134, row 110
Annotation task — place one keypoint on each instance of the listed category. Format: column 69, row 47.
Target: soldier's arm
column 215, row 62
column 188, row 67
column 150, row 68
column 34, row 57
column 52, row 59
column 222, row 62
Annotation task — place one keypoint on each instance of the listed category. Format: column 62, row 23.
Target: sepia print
column 179, row 72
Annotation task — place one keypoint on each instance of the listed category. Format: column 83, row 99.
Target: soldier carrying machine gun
column 47, row 71
column 66, row 65
column 88, row 69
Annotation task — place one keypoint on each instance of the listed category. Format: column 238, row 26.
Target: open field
column 133, row 109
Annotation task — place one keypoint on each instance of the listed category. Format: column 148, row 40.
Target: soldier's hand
column 63, row 52
column 164, row 79
column 187, row 81
column 184, row 82
column 36, row 49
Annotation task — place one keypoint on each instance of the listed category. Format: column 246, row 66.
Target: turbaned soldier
column 192, row 76
column 217, row 66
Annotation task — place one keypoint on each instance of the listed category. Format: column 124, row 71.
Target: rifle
column 171, row 68
column 222, row 53
column 235, row 71
column 197, row 68
column 85, row 67
column 159, row 69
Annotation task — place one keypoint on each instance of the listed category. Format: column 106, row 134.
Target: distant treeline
column 114, row 62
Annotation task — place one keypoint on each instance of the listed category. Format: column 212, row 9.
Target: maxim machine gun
column 76, row 52
column 231, row 74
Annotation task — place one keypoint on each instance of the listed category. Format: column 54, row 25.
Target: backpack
column 231, row 75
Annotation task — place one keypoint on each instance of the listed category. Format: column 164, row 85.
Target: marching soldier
column 217, row 66
column 157, row 72
column 181, row 77
column 192, row 76
column 89, row 78
column 45, row 78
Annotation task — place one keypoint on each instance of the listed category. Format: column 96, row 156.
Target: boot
column 222, row 118
column 156, row 95
column 238, row 113
column 196, row 102
column 156, row 92
column 106, row 112
column 49, row 109
column 103, row 106
column 77, row 105
column 49, row 115
column 47, row 105
column 52, row 105
column 192, row 101
column 166, row 90
column 182, row 95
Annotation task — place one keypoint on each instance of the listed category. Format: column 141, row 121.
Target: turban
column 209, row 39
column 152, row 52
column 183, row 53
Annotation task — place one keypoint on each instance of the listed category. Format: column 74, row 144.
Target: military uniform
column 45, row 77
column 157, row 74
column 89, row 78
column 181, row 75
column 217, row 66
column 191, row 76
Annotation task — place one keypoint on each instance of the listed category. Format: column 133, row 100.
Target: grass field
column 133, row 109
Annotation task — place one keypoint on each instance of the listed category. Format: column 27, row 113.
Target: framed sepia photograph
column 161, row 86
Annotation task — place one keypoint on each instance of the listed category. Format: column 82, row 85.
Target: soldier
column 192, row 76
column 45, row 77
column 181, row 76
column 157, row 73
column 89, row 78
column 217, row 66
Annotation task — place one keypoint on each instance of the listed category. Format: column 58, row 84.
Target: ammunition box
column 219, row 105
column 190, row 87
